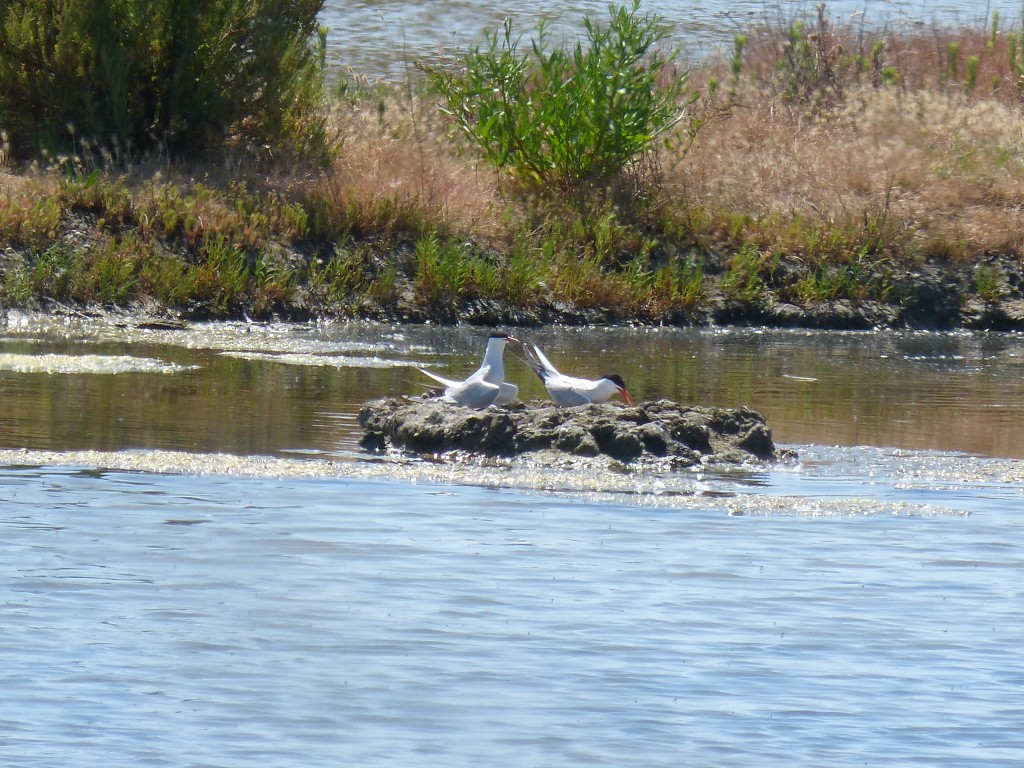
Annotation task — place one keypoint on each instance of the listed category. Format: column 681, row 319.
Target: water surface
column 271, row 389
column 166, row 620
column 198, row 567
column 385, row 38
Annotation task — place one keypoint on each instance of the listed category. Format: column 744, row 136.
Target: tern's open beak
column 625, row 395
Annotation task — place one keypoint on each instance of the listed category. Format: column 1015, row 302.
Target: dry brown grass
column 942, row 165
column 945, row 169
column 395, row 149
column 893, row 146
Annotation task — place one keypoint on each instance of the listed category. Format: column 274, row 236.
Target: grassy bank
column 825, row 175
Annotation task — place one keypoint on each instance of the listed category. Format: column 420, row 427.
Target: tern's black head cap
column 617, row 380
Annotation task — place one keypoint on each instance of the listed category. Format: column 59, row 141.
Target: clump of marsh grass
column 990, row 284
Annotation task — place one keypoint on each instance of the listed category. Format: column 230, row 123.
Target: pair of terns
column 487, row 385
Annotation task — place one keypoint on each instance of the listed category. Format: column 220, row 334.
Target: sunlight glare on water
column 108, row 364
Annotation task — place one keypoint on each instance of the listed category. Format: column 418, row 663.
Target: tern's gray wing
column 564, row 392
column 474, row 392
column 507, row 393
column 438, row 379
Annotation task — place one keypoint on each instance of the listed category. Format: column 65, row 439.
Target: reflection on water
column 384, row 38
column 273, row 390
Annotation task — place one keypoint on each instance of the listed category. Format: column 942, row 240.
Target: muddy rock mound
column 660, row 430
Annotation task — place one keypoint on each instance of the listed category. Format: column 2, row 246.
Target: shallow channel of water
column 199, row 568
column 275, row 389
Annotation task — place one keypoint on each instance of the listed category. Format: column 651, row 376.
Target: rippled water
column 168, row 620
column 386, row 37
column 199, row 568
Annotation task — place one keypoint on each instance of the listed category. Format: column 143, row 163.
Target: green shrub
column 182, row 76
column 810, row 62
column 990, row 284
column 558, row 119
column 221, row 277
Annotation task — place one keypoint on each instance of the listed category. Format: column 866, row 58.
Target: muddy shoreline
column 937, row 297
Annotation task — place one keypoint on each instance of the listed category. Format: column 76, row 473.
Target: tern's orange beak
column 625, row 395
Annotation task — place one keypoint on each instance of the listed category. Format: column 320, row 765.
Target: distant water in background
column 384, row 38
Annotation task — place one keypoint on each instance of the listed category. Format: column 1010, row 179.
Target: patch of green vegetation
column 442, row 271
column 679, row 287
column 743, row 280
column 162, row 76
column 557, row 119
column 809, row 62
column 990, row 284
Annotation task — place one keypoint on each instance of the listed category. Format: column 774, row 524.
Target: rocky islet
column 656, row 431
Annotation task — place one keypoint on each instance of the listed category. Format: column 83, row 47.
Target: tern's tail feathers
column 540, row 362
column 532, row 360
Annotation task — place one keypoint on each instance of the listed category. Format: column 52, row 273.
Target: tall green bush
column 181, row 76
column 559, row 118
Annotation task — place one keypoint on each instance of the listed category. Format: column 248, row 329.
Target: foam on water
column 96, row 364
column 329, row 361
column 241, row 337
column 818, row 489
